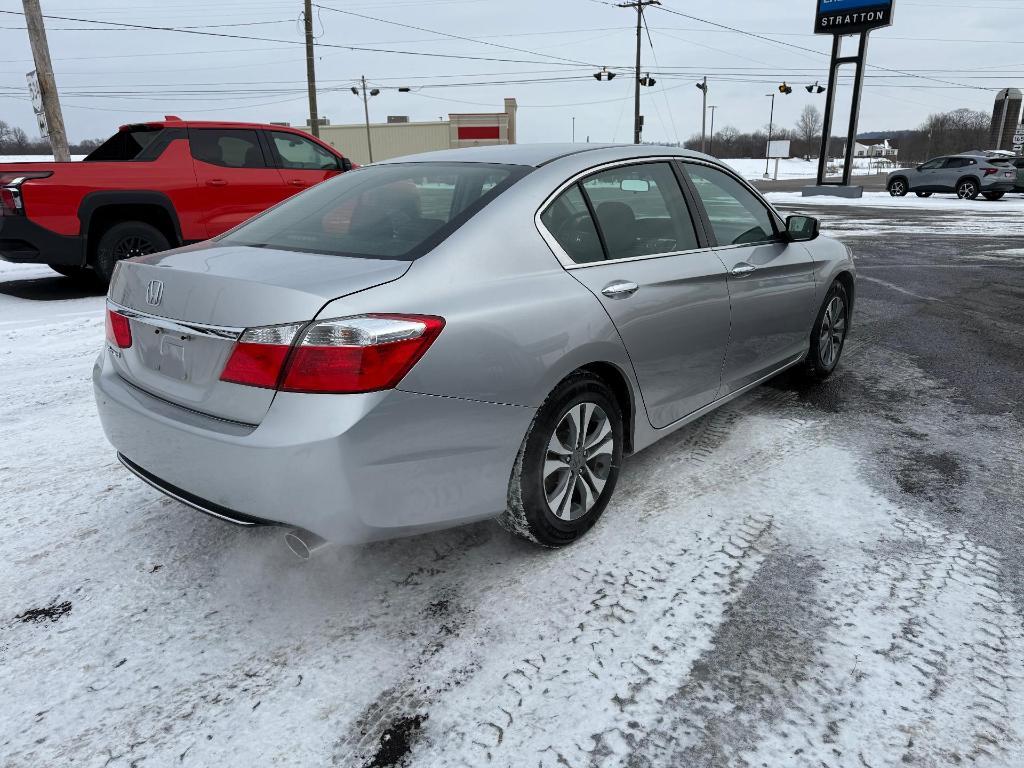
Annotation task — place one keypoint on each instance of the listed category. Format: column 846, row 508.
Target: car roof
column 536, row 155
column 175, row 122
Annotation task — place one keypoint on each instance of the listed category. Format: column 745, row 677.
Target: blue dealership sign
column 845, row 17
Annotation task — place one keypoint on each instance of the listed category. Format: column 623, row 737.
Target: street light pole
column 574, row 130
column 767, row 151
column 711, row 138
column 704, row 116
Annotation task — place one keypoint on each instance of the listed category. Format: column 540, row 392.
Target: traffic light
column 816, row 88
column 604, row 74
column 647, row 80
column 785, row 89
column 703, row 87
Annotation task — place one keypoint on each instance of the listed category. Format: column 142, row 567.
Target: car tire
column 560, row 486
column 993, row 196
column 75, row 273
column 967, row 189
column 899, row 187
column 124, row 241
column 828, row 337
column 923, row 194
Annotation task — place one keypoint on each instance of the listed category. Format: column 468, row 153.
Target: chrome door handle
column 743, row 269
column 620, row 290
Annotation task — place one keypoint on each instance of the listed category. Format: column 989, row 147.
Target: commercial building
column 399, row 137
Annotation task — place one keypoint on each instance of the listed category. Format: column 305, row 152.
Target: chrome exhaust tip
column 304, row 544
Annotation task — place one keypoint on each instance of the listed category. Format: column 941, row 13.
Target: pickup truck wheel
column 125, row 241
column 76, row 273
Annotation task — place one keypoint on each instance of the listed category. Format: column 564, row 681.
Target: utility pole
column 574, row 130
column 47, row 83
column 704, row 115
column 366, row 112
column 314, row 120
column 639, row 5
column 711, row 138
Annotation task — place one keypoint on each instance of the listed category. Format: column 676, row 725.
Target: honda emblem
column 155, row 293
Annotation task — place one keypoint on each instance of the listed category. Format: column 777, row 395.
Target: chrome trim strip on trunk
column 178, row 326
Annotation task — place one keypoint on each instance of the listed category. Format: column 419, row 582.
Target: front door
column 664, row 290
column 771, row 282
column 235, row 180
column 929, row 176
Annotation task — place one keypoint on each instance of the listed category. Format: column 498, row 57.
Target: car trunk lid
column 187, row 308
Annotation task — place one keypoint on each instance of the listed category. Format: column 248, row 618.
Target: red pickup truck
column 151, row 187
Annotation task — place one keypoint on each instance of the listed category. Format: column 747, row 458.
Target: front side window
column 396, row 211
column 641, row 211
column 737, row 216
column 932, row 165
column 297, row 153
column 227, row 148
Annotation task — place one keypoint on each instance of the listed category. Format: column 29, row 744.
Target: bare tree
column 808, row 128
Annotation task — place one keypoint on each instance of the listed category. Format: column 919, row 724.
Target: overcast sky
column 108, row 75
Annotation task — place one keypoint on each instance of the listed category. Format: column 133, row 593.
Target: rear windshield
column 125, row 145
column 380, row 212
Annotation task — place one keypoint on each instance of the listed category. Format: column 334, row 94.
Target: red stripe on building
column 471, row 132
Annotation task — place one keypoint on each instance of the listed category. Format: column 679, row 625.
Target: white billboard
column 778, row 149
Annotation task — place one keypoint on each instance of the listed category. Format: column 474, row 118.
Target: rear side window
column 570, row 223
column 129, row 144
column 227, row 148
column 737, row 216
column 383, row 211
column 299, row 154
column 641, row 211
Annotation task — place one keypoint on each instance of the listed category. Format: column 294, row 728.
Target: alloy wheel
column 967, row 190
column 833, row 332
column 897, row 189
column 133, row 246
column 578, row 461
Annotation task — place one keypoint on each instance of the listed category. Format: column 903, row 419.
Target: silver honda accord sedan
column 461, row 335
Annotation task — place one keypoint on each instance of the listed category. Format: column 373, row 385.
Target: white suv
column 966, row 175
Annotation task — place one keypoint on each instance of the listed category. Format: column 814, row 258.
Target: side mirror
column 346, row 164
column 920, row 167
column 801, row 229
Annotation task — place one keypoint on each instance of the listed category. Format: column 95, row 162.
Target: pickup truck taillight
column 346, row 356
column 10, row 190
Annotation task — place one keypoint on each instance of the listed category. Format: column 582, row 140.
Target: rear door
column 950, row 173
column 235, row 179
column 771, row 282
column 301, row 162
column 664, row 289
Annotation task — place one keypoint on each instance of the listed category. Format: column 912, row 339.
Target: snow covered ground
column 757, row 594
column 32, row 158
column 792, row 168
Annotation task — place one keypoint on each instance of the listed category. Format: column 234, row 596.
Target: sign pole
column 858, row 87
column 830, row 103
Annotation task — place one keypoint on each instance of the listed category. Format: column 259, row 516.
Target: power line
column 452, row 36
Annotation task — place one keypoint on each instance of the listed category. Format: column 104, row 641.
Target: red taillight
column 358, row 354
column 256, row 365
column 990, row 171
column 119, row 330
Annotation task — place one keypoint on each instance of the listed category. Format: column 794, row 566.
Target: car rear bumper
column 24, row 241
column 349, row 468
